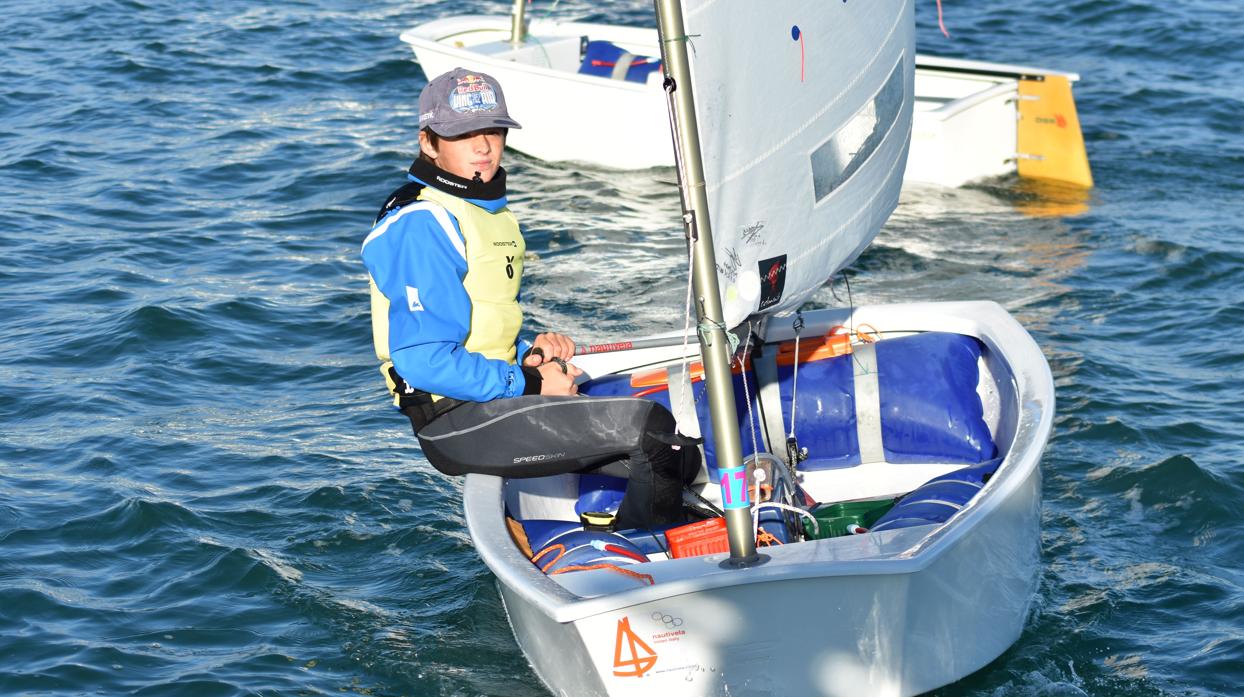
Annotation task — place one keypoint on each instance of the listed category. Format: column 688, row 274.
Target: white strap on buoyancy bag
column 682, row 400
column 769, row 396
column 622, row 66
column 867, row 404
column 682, row 405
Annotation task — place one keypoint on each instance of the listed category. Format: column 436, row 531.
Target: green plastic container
column 834, row 518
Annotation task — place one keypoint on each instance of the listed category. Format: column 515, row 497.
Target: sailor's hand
column 557, row 377
column 548, row 346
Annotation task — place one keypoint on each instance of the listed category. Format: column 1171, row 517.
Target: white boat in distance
column 973, row 119
column 893, row 484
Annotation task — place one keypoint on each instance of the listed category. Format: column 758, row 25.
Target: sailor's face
column 477, row 152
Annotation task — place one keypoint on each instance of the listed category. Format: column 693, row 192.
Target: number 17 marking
column 734, row 488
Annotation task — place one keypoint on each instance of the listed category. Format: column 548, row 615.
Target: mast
column 518, row 25
column 714, row 347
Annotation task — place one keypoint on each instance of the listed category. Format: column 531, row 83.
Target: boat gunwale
column 969, row 68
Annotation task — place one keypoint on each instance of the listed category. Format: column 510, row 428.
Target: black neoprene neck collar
column 438, row 178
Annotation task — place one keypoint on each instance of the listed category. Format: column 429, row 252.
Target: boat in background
column 976, row 119
column 894, row 467
column 973, row 119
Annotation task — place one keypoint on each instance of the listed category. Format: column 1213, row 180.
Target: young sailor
column 445, row 259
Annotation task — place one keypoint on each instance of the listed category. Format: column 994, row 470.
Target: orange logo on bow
column 639, row 663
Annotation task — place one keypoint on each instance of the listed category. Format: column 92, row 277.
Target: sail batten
column 804, row 111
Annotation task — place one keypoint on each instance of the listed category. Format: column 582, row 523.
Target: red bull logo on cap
column 472, row 94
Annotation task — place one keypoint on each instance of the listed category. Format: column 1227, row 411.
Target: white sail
column 805, row 112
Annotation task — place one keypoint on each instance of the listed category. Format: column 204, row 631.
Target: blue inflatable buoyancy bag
column 543, row 532
column 581, row 548
column 937, row 499
column 599, row 493
column 930, row 410
column 604, row 59
column 540, row 532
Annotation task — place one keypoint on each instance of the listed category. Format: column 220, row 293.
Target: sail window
column 835, row 160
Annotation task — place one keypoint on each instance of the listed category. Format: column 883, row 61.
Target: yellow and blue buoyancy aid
column 445, row 272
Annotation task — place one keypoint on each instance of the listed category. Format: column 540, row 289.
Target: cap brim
column 453, row 130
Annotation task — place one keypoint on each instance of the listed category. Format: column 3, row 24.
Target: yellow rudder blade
column 1050, row 143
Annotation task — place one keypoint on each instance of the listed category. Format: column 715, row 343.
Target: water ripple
column 203, row 490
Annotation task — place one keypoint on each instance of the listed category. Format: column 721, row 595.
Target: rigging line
column 685, row 38
column 751, row 418
column 850, row 305
column 690, row 232
column 684, row 188
column 794, row 381
column 851, row 319
column 879, row 332
column 758, row 477
column 686, row 330
column 706, row 328
column 657, row 539
column 766, row 539
column 646, row 578
column 816, row 524
column 561, row 552
column 869, row 335
column 548, row 60
column 708, row 504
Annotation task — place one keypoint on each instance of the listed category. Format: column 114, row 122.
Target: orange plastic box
column 698, row 539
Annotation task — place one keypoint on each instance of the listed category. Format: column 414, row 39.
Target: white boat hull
column 965, row 122
column 839, row 635
column 886, row 613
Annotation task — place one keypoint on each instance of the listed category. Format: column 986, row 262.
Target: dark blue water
column 202, row 491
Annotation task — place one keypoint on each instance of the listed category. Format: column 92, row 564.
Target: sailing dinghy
column 592, row 93
column 882, row 535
